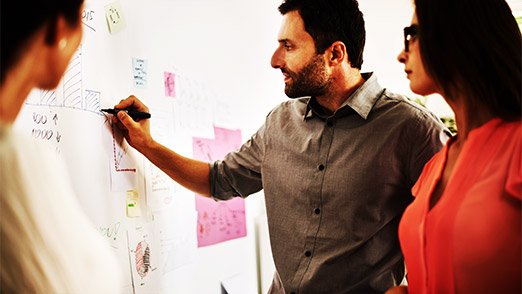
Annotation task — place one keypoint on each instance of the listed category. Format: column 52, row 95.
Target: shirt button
column 308, row 253
column 321, row 167
column 329, row 123
column 317, row 211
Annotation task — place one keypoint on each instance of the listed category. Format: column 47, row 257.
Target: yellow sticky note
column 115, row 18
column 133, row 204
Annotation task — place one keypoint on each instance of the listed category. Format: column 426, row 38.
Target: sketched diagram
column 48, row 97
column 69, row 93
column 222, row 220
column 92, row 100
column 72, row 82
column 204, row 149
column 170, row 84
column 218, row 221
column 122, row 162
column 159, row 179
column 142, row 255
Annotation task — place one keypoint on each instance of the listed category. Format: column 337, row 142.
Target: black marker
column 132, row 113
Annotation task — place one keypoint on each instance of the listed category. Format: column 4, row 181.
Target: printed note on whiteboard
column 160, row 188
column 193, row 108
column 175, row 233
column 139, row 70
column 224, row 220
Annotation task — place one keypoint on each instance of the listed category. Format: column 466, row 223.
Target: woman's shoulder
column 514, row 128
column 502, row 140
column 511, row 130
column 513, row 151
column 507, row 136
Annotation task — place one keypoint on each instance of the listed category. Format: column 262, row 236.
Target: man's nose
column 276, row 60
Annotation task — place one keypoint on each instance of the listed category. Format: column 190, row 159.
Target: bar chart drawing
column 72, row 82
column 69, row 93
column 48, row 97
column 92, row 100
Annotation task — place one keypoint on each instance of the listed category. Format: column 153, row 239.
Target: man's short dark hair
column 19, row 20
column 328, row 21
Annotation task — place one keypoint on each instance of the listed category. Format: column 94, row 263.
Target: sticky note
column 115, row 17
column 170, row 89
column 133, row 204
column 139, row 69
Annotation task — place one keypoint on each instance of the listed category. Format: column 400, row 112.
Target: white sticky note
column 133, row 204
column 139, row 70
column 115, row 17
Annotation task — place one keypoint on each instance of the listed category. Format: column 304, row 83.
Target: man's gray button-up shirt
column 335, row 186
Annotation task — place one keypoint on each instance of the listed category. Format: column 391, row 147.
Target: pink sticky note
column 170, row 89
column 224, row 220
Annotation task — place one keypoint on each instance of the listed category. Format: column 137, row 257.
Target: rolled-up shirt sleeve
column 239, row 173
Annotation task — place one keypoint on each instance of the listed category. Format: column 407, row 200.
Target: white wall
column 385, row 21
column 228, row 46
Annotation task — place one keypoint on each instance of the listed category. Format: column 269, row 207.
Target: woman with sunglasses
column 462, row 233
column 47, row 244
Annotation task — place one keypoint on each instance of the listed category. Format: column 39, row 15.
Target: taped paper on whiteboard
column 115, row 17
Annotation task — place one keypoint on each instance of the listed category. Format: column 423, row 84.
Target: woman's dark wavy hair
column 19, row 20
column 328, row 21
column 473, row 49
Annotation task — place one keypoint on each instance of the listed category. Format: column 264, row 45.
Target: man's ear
column 61, row 40
column 337, row 53
column 60, row 31
column 57, row 32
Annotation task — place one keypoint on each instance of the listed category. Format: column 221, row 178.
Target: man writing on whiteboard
column 336, row 163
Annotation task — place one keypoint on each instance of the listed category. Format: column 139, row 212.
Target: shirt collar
column 361, row 101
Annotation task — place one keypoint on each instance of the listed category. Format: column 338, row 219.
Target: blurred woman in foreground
column 47, row 244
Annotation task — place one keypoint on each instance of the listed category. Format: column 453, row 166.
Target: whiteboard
column 201, row 43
